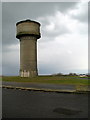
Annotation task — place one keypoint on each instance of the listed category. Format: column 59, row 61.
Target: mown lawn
column 49, row 80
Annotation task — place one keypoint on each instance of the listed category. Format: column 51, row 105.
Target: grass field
column 0, row 78
column 49, row 80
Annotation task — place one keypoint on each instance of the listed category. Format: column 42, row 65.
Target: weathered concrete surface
column 40, row 85
column 28, row 32
column 33, row 104
column 46, row 87
column 28, row 55
column 28, row 27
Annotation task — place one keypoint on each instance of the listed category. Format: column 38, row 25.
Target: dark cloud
column 81, row 12
column 81, row 17
column 89, row 12
column 34, row 9
column 16, row 11
column 0, row 39
column 66, row 6
column 12, row 12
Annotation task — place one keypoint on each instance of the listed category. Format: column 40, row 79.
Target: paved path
column 40, row 85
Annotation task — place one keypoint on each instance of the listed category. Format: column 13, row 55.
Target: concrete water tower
column 28, row 32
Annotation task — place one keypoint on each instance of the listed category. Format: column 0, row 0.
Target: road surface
column 36, row 104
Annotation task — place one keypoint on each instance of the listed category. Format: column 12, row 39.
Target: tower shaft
column 28, row 56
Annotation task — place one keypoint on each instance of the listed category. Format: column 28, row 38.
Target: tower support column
column 28, row 56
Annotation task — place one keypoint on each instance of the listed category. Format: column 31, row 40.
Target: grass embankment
column 49, row 80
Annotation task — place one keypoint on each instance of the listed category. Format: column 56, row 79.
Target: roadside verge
column 46, row 90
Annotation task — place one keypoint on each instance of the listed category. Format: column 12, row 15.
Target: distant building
column 82, row 75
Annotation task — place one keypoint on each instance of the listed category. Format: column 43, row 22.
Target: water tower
column 28, row 32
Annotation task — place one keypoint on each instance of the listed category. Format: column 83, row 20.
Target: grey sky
column 63, row 46
column 0, row 39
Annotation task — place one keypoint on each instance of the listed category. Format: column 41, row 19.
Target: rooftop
column 27, row 20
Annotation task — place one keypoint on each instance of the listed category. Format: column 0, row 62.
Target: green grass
column 0, row 78
column 49, row 80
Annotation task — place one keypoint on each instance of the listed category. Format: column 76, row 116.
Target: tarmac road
column 36, row 104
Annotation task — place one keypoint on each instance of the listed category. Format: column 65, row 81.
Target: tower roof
column 27, row 20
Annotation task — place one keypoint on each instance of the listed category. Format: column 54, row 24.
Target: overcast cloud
column 0, row 39
column 63, row 46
